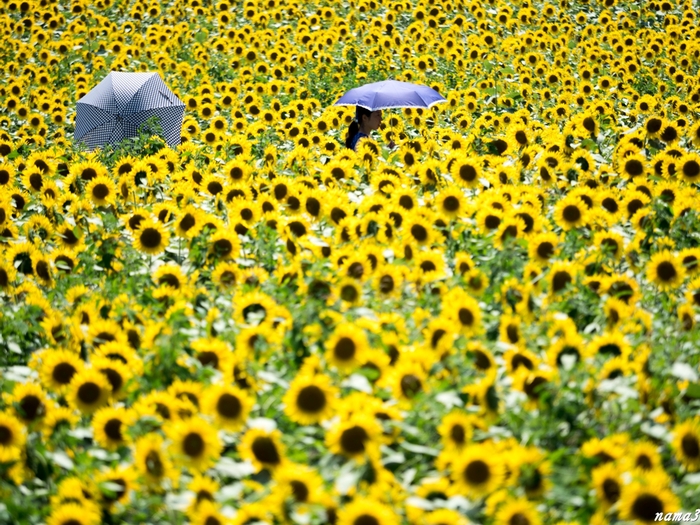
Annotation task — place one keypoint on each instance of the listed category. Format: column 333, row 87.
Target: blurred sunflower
column 194, row 443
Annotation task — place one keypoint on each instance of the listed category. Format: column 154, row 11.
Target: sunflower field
column 495, row 322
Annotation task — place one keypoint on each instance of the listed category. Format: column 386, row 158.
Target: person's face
column 375, row 119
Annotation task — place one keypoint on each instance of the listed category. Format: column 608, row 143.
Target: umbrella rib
column 130, row 115
column 138, row 91
column 114, row 94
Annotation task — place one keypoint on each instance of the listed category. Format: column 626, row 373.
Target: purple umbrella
column 391, row 94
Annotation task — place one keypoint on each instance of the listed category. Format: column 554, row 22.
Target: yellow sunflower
column 346, row 346
column 686, row 444
column 264, row 449
column 641, row 502
column 194, row 443
column 666, row 270
column 151, row 237
column 571, row 212
column 363, row 511
column 354, row 437
column 88, row 390
column 228, row 404
column 151, row 461
column 110, row 426
column 477, row 471
column 310, row 399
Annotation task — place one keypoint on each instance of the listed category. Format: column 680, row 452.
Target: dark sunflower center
column 492, row 222
column 151, row 238
column 223, row 247
column 410, row 385
column 545, row 250
column 115, row 379
column 644, row 462
column 311, row 399
column 428, row 266
column 481, row 360
column 518, row 519
column 31, row 407
column 691, row 169
column 466, row 317
column 366, row 519
column 666, row 271
column 265, row 451
column 513, row 334
column 690, row 446
column 5, row 435
column 634, row 167
column 100, row 191
column 419, row 232
column 42, row 270
column 113, row 429
column 610, row 204
column 228, row 406
column 135, row 220
column 208, row 358
column 89, row 393
column 386, row 284
column 299, row 490
column 457, row 434
column 560, row 280
column 63, row 373
column 532, row 387
column 349, row 293
column 646, row 506
column 344, row 349
column 356, row 270
column 467, row 173
column 477, row 472
column 154, row 465
column 193, row 444
column 571, row 213
column 36, row 181
column 669, row 134
column 654, row 125
column 611, row 489
column 451, row 203
column 521, row 360
column 610, row 245
column 509, row 231
column 406, row 202
column 353, row 439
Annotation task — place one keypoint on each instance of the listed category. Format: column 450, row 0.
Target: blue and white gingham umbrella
column 117, row 106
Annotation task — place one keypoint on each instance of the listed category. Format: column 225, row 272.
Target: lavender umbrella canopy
column 391, row 94
column 117, row 106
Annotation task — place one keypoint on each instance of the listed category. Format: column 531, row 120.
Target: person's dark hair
column 355, row 124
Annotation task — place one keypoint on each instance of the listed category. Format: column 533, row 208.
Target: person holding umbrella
column 362, row 125
column 370, row 99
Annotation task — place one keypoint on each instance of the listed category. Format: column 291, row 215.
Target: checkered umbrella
column 117, row 106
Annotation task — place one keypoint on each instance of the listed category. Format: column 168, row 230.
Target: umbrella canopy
column 117, row 106
column 391, row 94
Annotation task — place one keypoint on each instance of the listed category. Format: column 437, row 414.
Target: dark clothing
column 354, row 140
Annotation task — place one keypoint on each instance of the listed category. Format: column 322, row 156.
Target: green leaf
column 201, row 37
column 693, row 391
column 589, row 144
